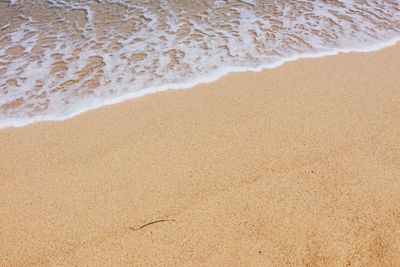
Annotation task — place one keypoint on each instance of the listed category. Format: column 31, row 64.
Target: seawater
column 59, row 58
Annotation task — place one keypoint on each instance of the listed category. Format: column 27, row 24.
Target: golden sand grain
column 298, row 165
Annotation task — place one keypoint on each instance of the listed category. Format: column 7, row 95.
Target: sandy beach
column 293, row 166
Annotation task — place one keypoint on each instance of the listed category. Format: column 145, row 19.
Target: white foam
column 250, row 40
column 212, row 76
column 13, row 2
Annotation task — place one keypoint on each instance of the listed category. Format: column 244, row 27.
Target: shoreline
column 210, row 78
column 296, row 165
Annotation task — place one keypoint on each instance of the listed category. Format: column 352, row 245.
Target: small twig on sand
column 150, row 223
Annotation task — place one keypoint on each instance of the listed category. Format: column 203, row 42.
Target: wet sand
column 298, row 165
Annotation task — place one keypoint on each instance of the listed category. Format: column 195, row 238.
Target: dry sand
column 298, row 165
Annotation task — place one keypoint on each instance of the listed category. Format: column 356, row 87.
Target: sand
column 297, row 165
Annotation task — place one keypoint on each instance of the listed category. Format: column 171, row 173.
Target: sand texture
column 294, row 166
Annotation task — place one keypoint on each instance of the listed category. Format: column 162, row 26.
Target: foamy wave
column 60, row 58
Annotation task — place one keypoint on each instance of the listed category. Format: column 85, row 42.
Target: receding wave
column 59, row 58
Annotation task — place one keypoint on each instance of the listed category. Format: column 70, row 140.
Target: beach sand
column 297, row 165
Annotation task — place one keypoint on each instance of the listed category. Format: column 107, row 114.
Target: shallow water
column 59, row 58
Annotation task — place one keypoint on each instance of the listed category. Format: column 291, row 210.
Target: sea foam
column 60, row 58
